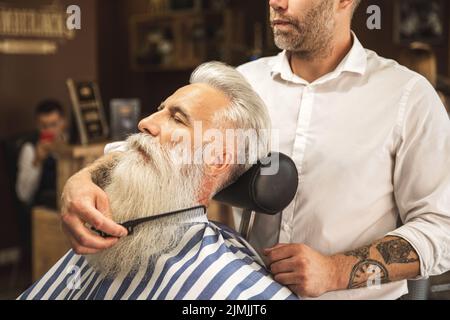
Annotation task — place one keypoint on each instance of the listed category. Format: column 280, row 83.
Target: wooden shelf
column 181, row 40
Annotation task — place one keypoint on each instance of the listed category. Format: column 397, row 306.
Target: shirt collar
column 355, row 62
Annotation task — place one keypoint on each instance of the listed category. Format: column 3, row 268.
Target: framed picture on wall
column 87, row 107
column 419, row 20
column 125, row 114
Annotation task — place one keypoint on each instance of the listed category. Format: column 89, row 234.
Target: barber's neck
column 313, row 68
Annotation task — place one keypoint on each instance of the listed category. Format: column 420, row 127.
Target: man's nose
column 278, row 5
column 149, row 126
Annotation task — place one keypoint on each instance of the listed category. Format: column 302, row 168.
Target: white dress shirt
column 371, row 141
column 28, row 175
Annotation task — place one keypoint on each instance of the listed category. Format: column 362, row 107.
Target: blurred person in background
column 36, row 175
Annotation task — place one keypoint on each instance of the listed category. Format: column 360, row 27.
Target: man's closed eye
column 178, row 120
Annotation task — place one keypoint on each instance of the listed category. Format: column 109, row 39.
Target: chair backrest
column 267, row 187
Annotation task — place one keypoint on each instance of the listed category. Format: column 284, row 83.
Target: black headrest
column 267, row 187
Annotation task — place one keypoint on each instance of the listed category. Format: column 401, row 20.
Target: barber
column 371, row 142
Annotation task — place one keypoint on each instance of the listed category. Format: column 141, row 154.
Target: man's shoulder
column 26, row 150
column 27, row 145
column 259, row 66
column 417, row 93
column 390, row 69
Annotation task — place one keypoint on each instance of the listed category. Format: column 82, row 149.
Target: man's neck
column 311, row 69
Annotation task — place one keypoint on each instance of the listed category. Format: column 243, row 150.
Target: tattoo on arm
column 375, row 262
column 397, row 251
column 361, row 253
column 364, row 270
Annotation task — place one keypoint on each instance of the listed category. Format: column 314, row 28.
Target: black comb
column 130, row 225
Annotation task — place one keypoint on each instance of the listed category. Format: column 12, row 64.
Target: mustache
column 151, row 151
column 149, row 145
column 142, row 141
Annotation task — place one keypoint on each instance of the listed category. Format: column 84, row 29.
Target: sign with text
column 37, row 30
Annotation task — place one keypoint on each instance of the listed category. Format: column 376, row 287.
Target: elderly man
column 177, row 253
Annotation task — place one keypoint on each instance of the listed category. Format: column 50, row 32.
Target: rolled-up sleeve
column 422, row 178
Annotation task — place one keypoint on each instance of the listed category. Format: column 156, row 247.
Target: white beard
column 143, row 186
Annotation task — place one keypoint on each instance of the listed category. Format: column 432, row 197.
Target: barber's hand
column 305, row 271
column 84, row 202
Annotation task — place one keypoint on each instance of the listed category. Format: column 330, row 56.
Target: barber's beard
column 147, row 181
column 311, row 37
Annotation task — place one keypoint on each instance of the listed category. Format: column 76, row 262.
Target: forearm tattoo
column 365, row 271
column 361, row 253
column 372, row 268
column 397, row 251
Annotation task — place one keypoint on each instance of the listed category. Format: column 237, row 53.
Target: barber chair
column 266, row 188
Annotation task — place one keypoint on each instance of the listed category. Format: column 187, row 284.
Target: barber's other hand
column 305, row 271
column 84, row 202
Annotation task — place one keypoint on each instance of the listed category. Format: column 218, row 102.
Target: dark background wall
column 117, row 80
column 26, row 79
column 382, row 41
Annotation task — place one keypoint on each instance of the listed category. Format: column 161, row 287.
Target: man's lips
column 282, row 23
column 275, row 22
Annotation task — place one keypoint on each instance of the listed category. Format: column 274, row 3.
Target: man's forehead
column 199, row 95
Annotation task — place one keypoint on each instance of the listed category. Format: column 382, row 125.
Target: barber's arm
column 311, row 274
column 421, row 247
column 83, row 201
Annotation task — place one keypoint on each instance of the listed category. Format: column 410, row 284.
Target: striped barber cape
column 211, row 261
